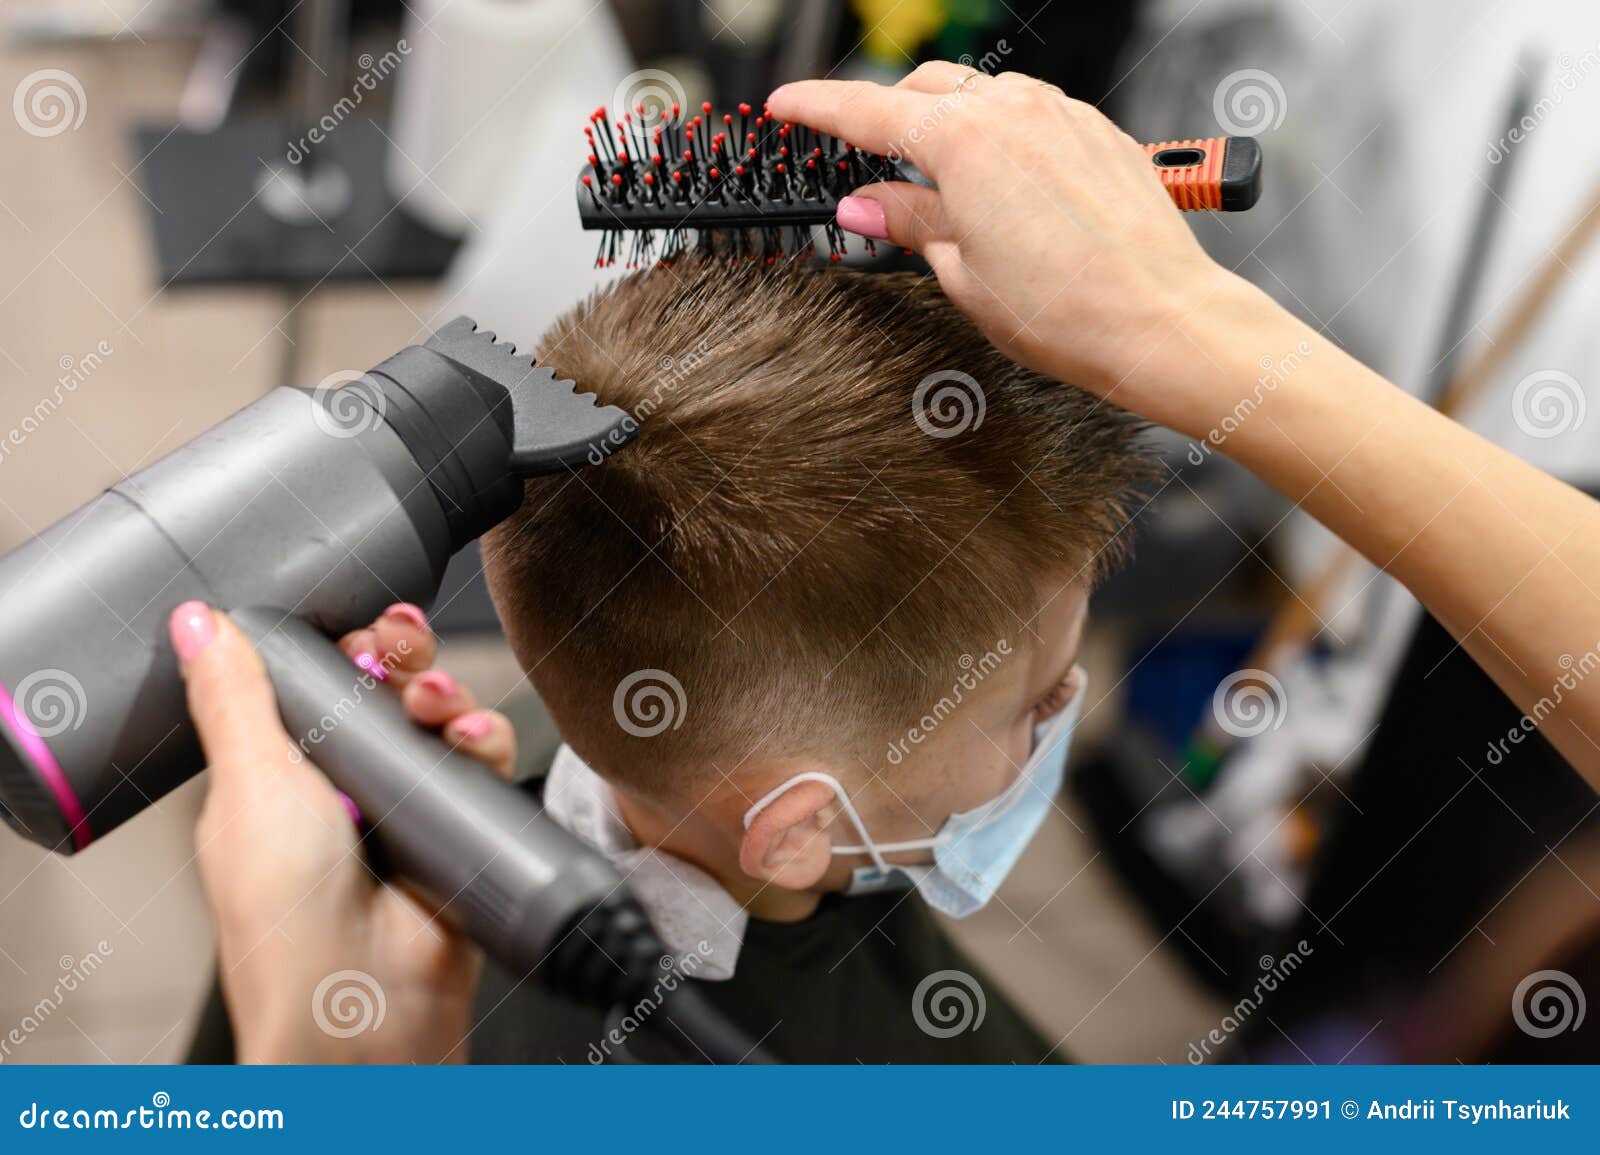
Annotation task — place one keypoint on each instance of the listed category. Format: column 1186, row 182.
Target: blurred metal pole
column 807, row 38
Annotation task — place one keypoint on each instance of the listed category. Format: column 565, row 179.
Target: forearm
column 1504, row 555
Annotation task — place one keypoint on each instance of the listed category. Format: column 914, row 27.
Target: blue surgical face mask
column 975, row 849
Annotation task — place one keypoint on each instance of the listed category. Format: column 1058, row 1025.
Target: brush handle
column 1221, row 174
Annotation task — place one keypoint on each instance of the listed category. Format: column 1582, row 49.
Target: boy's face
column 973, row 751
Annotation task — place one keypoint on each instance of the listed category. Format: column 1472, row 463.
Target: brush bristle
column 748, row 186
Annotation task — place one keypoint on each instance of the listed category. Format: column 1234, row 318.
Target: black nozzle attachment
column 479, row 419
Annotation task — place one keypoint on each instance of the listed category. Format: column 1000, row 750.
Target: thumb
column 230, row 695
column 909, row 215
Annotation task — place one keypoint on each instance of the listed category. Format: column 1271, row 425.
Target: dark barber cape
column 836, row 988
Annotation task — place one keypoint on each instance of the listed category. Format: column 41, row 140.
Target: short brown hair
column 838, row 488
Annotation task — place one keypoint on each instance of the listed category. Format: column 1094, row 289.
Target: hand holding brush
column 1051, row 230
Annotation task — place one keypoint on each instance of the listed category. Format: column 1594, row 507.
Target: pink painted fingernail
column 191, row 628
column 862, row 216
column 370, row 666
column 406, row 612
column 472, row 727
column 350, row 807
column 438, row 682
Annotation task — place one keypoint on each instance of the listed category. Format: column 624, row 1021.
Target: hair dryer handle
column 477, row 847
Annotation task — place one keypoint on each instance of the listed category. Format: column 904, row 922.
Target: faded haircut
column 838, row 489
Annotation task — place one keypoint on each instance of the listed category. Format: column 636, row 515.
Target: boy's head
column 850, row 535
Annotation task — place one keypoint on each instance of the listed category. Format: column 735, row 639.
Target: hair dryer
column 304, row 515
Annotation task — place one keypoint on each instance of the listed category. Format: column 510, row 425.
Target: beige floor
column 78, row 272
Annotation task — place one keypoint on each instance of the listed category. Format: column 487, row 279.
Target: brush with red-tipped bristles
column 753, row 188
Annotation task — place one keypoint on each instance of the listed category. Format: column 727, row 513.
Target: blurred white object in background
column 477, row 74
column 528, row 260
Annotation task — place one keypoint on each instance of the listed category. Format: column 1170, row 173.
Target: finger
column 485, row 735
column 1024, row 78
column 396, row 647
column 230, row 696
column 870, row 116
column 909, row 215
column 937, row 77
column 434, row 697
column 405, row 645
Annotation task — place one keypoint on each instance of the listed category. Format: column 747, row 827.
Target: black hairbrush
column 753, row 188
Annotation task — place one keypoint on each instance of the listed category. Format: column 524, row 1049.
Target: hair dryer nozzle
column 555, row 425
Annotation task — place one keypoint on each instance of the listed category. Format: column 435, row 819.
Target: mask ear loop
column 867, row 847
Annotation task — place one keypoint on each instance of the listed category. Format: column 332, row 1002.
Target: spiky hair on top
column 837, row 489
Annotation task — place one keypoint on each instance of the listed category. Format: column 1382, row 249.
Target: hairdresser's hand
column 310, row 944
column 1051, row 229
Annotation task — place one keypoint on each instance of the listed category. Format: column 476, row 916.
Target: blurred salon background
column 1301, row 826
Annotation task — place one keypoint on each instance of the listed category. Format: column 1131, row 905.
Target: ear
column 788, row 844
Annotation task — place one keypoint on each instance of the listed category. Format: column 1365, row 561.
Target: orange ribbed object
column 1195, row 187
